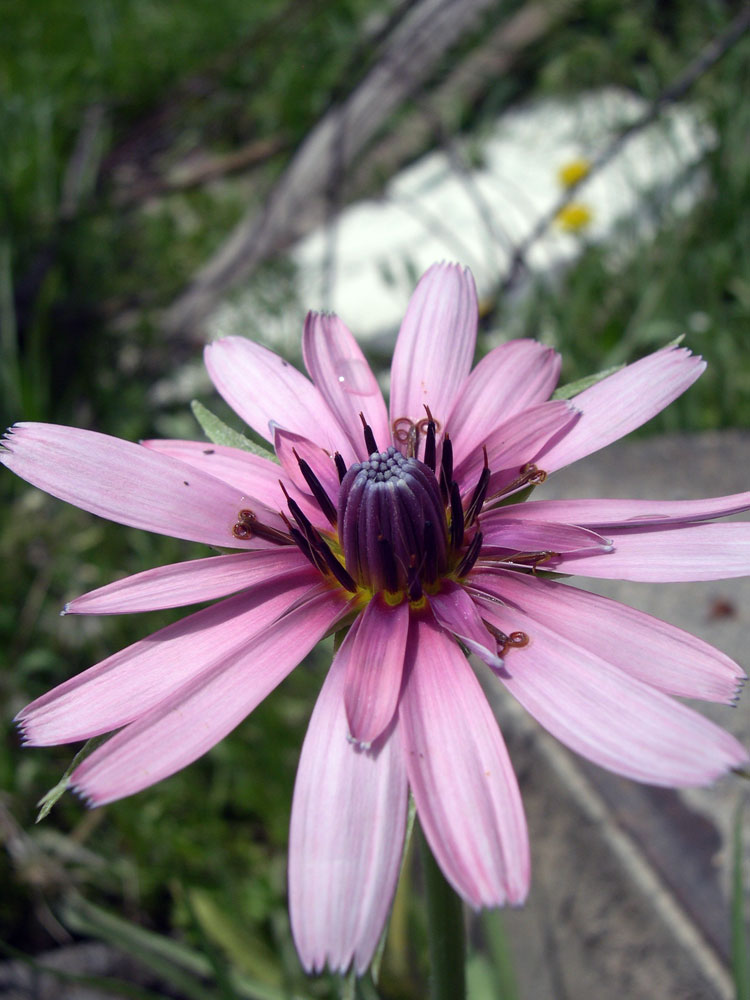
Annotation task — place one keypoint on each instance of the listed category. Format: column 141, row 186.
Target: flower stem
column 445, row 930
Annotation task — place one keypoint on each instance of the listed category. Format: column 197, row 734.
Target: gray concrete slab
column 630, row 883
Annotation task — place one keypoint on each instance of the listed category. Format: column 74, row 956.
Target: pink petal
column 435, row 345
column 695, row 552
column 262, row 387
column 322, row 464
column 346, row 837
column 537, row 536
column 189, row 582
column 455, row 611
column 650, row 650
column 193, row 719
column 373, row 655
column 515, row 443
column 130, row 484
column 345, row 380
column 243, row 469
column 463, row 782
column 135, row 680
column 629, row 513
column 621, row 402
column 613, row 719
column 511, row 378
column 250, row 473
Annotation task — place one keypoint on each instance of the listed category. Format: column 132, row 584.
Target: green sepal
column 573, row 388
column 220, row 433
column 48, row 800
column 518, row 497
column 676, row 342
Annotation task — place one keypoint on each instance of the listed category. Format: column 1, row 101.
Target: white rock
column 431, row 211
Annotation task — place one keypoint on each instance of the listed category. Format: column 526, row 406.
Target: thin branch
column 410, row 54
column 198, row 170
column 675, row 91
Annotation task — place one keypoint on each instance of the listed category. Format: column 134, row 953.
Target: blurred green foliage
column 201, row 857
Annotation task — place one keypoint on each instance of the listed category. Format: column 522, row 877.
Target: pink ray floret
column 402, row 527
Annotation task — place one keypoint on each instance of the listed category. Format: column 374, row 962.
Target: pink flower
column 393, row 525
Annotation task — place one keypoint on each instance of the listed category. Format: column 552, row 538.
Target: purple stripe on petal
column 133, row 681
column 613, row 719
column 629, row 513
column 188, row 582
column 500, row 531
column 621, row 402
column 644, row 647
column 322, row 464
column 130, row 484
column 346, row 836
column 342, row 374
column 463, row 782
column 694, row 552
column 435, row 345
column 373, row 653
column 204, row 710
column 248, row 472
column 262, row 387
column 512, row 377
column 515, row 443
column 455, row 611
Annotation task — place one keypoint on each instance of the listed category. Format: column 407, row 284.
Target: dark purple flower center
column 399, row 524
column 392, row 525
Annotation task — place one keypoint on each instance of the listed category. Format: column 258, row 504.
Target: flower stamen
column 480, row 492
column 457, row 517
column 429, row 456
column 530, row 475
column 470, row 556
column 533, row 559
column 446, row 469
column 516, row 640
column 392, row 523
column 317, row 489
column 315, row 547
column 370, row 442
column 406, row 432
column 248, row 526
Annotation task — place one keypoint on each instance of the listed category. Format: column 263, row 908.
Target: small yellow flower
column 574, row 217
column 573, row 172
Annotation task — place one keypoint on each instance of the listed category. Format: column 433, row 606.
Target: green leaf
column 220, row 929
column 220, row 433
column 102, row 985
column 573, row 388
column 183, row 967
column 48, row 800
column 520, row 497
column 740, row 965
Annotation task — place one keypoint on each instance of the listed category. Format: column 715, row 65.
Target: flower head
column 573, row 172
column 574, row 217
column 409, row 530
